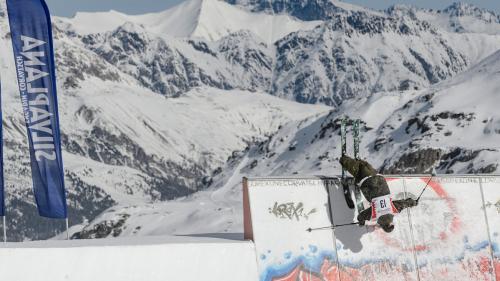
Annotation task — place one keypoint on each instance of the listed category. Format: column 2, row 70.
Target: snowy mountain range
column 163, row 113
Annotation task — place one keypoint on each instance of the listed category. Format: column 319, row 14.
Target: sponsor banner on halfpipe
column 281, row 211
column 451, row 235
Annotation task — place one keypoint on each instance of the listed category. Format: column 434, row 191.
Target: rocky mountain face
column 453, row 127
column 458, row 10
column 356, row 55
column 151, row 113
column 301, row 9
column 352, row 52
column 241, row 60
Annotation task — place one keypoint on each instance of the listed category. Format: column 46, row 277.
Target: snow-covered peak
column 462, row 18
column 400, row 10
column 308, row 10
column 131, row 27
column 460, row 9
column 218, row 19
column 207, row 19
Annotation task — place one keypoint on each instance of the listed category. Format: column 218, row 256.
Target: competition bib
column 382, row 206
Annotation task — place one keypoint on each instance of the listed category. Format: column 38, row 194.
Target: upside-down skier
column 376, row 191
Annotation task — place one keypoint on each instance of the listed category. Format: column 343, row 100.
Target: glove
column 342, row 160
column 412, row 202
column 361, row 223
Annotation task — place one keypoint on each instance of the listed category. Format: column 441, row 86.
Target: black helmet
column 385, row 222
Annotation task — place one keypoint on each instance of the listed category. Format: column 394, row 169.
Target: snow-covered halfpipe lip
column 151, row 258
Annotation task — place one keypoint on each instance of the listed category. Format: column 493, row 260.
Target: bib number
column 382, row 206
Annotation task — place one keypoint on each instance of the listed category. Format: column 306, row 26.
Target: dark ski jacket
column 373, row 187
column 366, row 215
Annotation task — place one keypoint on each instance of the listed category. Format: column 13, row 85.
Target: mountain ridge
column 391, row 140
column 150, row 119
column 423, row 66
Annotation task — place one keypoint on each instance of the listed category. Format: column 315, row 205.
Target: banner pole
column 4, row 230
column 67, row 229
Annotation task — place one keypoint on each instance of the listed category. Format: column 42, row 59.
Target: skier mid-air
column 376, row 191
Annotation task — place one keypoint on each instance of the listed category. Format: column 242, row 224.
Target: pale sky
column 69, row 7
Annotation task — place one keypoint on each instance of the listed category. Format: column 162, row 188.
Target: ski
column 345, row 184
column 356, row 141
column 355, row 134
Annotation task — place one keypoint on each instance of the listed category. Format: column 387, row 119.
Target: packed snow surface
column 153, row 258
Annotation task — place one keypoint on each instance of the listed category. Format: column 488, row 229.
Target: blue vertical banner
column 31, row 33
column 2, row 186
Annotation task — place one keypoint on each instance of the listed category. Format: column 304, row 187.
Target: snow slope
column 453, row 127
column 155, row 107
column 184, row 127
column 131, row 146
column 165, row 258
column 197, row 132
